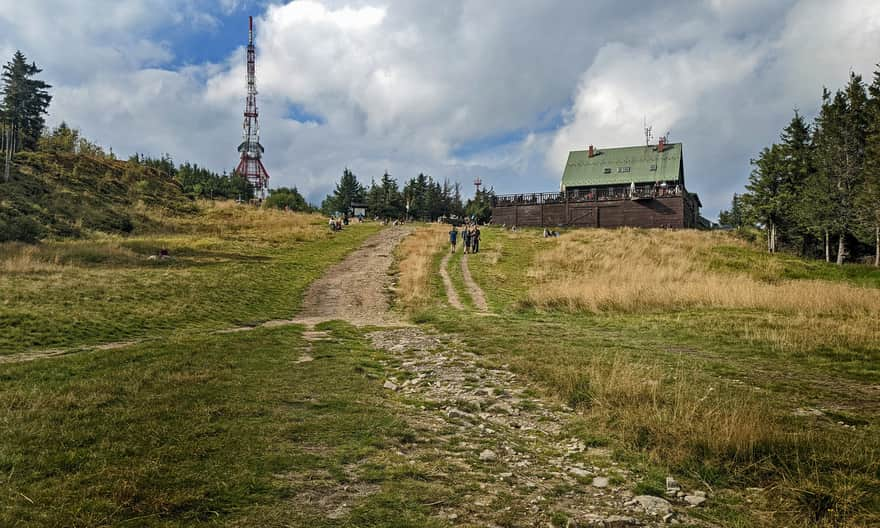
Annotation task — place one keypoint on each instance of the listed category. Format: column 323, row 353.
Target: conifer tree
column 25, row 102
column 767, row 197
column 870, row 197
column 347, row 191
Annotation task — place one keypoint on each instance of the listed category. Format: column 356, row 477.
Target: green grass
column 809, row 465
column 227, row 430
column 212, row 282
column 783, row 266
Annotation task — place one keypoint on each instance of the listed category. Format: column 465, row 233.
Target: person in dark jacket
column 475, row 240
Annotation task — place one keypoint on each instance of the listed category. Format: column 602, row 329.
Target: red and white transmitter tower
column 251, row 166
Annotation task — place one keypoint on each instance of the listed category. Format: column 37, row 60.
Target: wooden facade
column 675, row 210
column 639, row 186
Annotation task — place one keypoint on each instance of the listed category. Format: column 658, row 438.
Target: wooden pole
column 827, row 246
column 877, row 246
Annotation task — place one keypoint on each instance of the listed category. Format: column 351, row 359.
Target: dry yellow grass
column 636, row 271
column 216, row 224
column 416, row 264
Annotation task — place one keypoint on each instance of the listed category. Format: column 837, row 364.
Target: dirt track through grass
column 451, row 294
column 499, row 452
column 357, row 289
column 474, row 290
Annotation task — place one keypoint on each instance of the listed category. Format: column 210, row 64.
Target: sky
column 456, row 89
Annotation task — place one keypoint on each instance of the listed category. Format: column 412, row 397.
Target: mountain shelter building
column 640, row 186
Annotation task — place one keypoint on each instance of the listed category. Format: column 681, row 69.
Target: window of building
column 623, row 169
column 653, row 167
column 607, row 170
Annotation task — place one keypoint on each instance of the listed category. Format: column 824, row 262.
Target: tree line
column 422, row 198
column 25, row 103
column 817, row 190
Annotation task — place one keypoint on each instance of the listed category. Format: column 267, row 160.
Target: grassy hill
column 59, row 195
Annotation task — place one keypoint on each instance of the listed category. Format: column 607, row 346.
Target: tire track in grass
column 477, row 294
column 451, row 294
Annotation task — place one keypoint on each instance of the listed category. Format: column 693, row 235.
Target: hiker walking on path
column 453, row 238
column 475, row 240
column 466, row 238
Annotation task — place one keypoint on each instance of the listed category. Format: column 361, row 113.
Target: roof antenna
column 649, row 132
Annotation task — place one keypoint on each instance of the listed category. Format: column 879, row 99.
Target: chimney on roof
column 661, row 144
column 592, row 152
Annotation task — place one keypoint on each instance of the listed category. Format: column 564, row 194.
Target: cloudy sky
column 453, row 88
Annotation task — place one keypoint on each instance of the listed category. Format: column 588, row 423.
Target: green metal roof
column 626, row 164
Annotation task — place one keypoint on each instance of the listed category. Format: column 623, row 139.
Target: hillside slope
column 52, row 195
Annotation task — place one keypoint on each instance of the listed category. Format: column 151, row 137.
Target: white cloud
column 420, row 85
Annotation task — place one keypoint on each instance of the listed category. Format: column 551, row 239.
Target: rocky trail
column 481, row 429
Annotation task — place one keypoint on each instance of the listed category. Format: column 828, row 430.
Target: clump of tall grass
column 723, row 435
column 415, row 265
column 637, row 271
column 58, row 256
column 227, row 219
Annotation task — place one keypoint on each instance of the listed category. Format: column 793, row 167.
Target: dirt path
column 451, row 294
column 357, row 289
column 474, row 290
column 488, row 437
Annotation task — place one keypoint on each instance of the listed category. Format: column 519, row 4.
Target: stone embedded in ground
column 620, row 521
column 390, row 385
column 459, row 414
column 694, row 500
column 305, row 359
column 652, row 504
column 600, row 482
column 579, row 472
column 501, row 407
column 488, row 455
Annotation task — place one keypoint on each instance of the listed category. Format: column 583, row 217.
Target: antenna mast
column 251, row 166
column 649, row 132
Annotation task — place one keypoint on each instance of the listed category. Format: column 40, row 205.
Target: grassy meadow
column 752, row 376
column 190, row 427
column 229, row 266
column 695, row 354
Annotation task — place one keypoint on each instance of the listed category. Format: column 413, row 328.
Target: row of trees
column 199, row 182
column 819, row 186
column 24, row 105
column 25, row 101
column 421, row 198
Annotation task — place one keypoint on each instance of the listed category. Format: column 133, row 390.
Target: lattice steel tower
column 251, row 166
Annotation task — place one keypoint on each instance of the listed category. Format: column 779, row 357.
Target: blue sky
column 457, row 89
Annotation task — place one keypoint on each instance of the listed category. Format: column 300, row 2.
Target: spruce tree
column 870, row 197
column 347, row 191
column 25, row 102
column 853, row 134
column 767, row 197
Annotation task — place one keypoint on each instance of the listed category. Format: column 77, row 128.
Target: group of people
column 470, row 238
column 337, row 223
